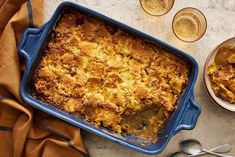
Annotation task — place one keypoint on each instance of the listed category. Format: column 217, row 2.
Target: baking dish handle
column 190, row 115
column 28, row 43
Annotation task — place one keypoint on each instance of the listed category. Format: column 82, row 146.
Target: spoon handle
column 217, row 154
column 219, row 149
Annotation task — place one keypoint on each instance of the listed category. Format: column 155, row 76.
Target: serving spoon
column 219, row 149
column 194, row 148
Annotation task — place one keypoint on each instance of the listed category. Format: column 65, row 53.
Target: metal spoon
column 219, row 149
column 193, row 147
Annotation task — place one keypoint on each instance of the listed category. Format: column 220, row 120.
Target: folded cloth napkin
column 24, row 131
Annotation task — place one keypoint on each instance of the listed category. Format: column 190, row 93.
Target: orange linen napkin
column 24, row 131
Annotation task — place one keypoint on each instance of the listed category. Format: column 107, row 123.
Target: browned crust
column 222, row 73
column 103, row 73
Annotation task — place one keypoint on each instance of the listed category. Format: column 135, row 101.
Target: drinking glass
column 189, row 24
column 156, row 7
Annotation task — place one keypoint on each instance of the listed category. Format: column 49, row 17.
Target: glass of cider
column 189, row 24
column 156, row 7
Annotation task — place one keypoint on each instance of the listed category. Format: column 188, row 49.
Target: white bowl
column 209, row 61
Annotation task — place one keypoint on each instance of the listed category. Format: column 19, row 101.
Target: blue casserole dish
column 184, row 118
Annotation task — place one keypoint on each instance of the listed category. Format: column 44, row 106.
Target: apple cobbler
column 108, row 77
column 222, row 73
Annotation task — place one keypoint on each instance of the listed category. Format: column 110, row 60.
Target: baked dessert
column 222, row 73
column 108, row 77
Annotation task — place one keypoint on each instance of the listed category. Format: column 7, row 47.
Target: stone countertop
column 216, row 125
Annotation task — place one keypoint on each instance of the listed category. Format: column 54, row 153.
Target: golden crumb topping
column 222, row 73
column 106, row 74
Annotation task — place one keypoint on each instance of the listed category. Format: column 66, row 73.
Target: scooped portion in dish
column 222, row 73
column 108, row 77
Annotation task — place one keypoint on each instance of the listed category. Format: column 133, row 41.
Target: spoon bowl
column 191, row 146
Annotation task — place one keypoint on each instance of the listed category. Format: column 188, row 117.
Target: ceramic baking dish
column 31, row 48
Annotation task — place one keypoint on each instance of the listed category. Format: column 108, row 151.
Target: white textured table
column 215, row 125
